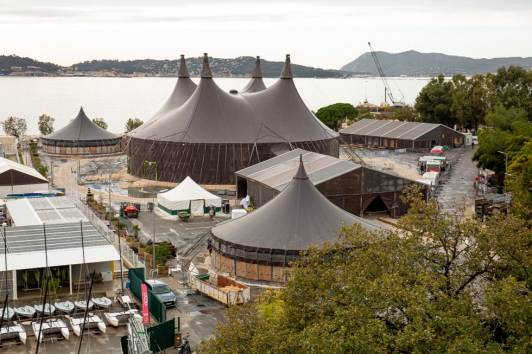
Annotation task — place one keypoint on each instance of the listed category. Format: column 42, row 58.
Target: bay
column 117, row 99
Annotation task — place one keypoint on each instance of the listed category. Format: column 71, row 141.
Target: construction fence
column 156, row 306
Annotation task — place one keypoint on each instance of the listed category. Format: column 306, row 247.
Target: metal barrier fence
column 104, row 229
column 162, row 336
column 157, row 307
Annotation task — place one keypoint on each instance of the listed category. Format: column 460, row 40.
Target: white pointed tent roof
column 15, row 173
column 179, row 198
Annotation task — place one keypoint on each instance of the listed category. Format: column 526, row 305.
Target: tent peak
column 206, row 70
column 287, row 69
column 182, row 72
column 257, row 70
column 301, row 173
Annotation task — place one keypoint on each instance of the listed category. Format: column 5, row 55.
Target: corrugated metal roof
column 20, row 261
column 26, row 250
column 389, row 129
column 279, row 171
column 52, row 210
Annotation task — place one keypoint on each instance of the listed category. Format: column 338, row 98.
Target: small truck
column 129, row 210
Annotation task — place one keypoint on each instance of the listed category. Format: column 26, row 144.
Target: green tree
column 519, row 179
column 442, row 286
column 332, row 114
column 15, row 126
column 100, row 122
column 46, row 124
column 502, row 124
column 434, row 102
column 512, row 88
column 133, row 123
column 405, row 113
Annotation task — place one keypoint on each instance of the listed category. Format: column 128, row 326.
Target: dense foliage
column 237, row 67
column 7, row 61
column 449, row 284
column 331, row 115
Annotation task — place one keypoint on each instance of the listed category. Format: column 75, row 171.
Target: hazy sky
column 327, row 33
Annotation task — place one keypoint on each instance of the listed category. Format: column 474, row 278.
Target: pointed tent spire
column 301, row 173
column 81, row 112
column 257, row 70
column 183, row 72
column 287, row 70
column 206, row 70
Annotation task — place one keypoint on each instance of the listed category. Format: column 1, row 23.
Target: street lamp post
column 120, row 253
column 506, row 165
column 153, row 241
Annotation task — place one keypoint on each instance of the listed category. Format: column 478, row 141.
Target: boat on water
column 13, row 331
column 25, row 311
column 115, row 318
column 82, row 305
column 49, row 326
column 64, row 306
column 102, row 302
column 90, row 323
column 48, row 309
column 9, row 313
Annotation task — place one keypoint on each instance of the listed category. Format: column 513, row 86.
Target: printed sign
column 145, row 309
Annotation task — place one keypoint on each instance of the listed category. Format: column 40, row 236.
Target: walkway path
column 460, row 185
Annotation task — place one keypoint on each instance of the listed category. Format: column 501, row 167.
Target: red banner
column 145, row 309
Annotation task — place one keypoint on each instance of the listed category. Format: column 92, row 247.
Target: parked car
column 162, row 291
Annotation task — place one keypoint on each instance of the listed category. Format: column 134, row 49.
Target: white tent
column 17, row 179
column 188, row 196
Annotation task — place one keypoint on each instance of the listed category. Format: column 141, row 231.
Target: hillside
column 7, row 61
column 238, row 67
column 412, row 63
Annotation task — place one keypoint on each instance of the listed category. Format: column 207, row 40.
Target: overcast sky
column 326, row 33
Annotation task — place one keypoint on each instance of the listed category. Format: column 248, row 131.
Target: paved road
column 460, row 184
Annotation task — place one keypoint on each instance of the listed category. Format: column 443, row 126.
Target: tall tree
column 332, row 114
column 513, row 88
column 15, row 126
column 100, row 122
column 46, row 124
column 133, row 123
column 445, row 285
column 434, row 102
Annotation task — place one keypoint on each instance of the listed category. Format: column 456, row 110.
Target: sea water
column 117, row 99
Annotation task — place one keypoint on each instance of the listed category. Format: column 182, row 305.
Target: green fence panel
column 157, row 307
column 162, row 336
column 136, row 277
column 124, row 344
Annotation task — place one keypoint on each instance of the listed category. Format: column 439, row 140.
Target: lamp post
column 506, row 165
column 120, row 253
column 153, row 241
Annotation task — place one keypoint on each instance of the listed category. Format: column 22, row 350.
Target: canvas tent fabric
column 81, row 129
column 215, row 133
column 256, row 84
column 188, row 196
column 16, row 178
column 298, row 217
column 183, row 89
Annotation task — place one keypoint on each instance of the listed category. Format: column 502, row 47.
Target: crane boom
column 383, row 77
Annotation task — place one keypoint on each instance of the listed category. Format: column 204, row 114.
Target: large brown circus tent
column 275, row 234
column 184, row 88
column 215, row 133
column 81, row 137
column 256, row 84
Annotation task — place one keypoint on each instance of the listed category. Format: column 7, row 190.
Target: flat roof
column 51, row 210
column 26, row 246
column 277, row 172
column 390, row 129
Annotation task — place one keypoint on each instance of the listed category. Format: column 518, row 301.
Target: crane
column 387, row 89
